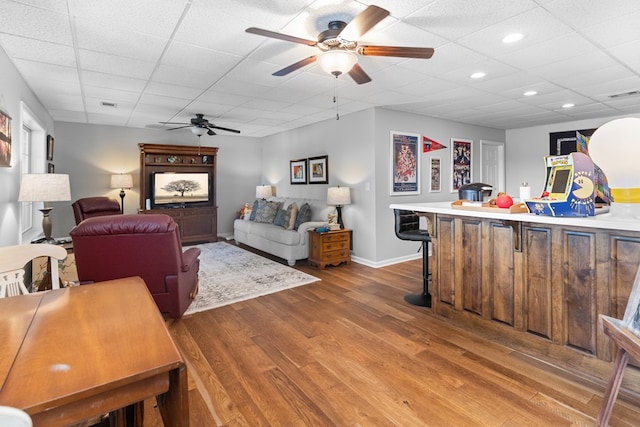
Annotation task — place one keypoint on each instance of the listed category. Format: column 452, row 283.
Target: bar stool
column 408, row 228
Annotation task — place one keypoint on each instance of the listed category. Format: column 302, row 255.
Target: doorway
column 492, row 165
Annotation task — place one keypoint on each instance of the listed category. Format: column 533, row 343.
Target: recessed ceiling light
column 569, row 105
column 530, row 93
column 478, row 75
column 512, row 38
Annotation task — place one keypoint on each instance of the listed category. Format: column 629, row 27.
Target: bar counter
column 535, row 283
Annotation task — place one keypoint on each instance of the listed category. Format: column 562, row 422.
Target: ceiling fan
column 339, row 46
column 199, row 126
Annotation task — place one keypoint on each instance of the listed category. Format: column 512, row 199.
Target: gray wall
column 13, row 92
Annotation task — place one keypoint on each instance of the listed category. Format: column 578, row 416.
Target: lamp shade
column 337, row 62
column 338, row 196
column 615, row 148
column 263, row 191
column 44, row 187
column 122, row 180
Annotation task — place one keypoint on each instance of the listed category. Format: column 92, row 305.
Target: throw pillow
column 254, row 209
column 267, row 212
column 292, row 216
column 304, row 215
column 280, row 218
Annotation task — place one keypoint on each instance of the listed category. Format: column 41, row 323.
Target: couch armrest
column 310, row 225
column 189, row 257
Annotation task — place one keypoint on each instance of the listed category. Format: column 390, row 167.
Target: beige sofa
column 289, row 244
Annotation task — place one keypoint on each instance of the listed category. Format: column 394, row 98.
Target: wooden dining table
column 71, row 354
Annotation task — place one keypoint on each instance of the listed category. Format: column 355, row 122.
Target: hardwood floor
column 348, row 351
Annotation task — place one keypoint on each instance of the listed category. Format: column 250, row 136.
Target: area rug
column 229, row 274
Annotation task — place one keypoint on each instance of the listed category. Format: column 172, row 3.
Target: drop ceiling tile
column 101, row 36
column 122, row 110
column 198, row 58
column 163, row 89
column 107, row 119
column 38, row 50
column 620, row 30
column 155, row 17
column 587, row 13
column 110, row 95
column 628, row 54
column 400, row 9
column 238, row 87
column 48, row 72
column 60, row 115
column 116, row 65
column 35, row 23
column 164, row 101
column 112, row 81
column 454, row 19
column 179, row 76
column 573, row 66
column 447, row 58
column 210, row 110
column 59, row 6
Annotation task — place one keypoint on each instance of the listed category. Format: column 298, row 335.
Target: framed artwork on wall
column 461, row 154
column 436, row 185
column 298, row 171
column 405, row 163
column 49, row 147
column 319, row 170
column 5, row 139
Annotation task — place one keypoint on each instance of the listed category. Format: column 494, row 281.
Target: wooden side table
column 329, row 247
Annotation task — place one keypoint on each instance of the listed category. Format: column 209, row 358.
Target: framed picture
column 51, row 168
column 405, row 163
column 298, row 171
column 319, row 170
column 49, row 147
column 435, row 175
column 5, row 140
column 461, row 153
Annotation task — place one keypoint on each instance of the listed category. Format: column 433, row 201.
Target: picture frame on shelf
column 436, row 175
column 50, row 142
column 405, row 163
column 461, row 165
column 298, row 171
column 5, row 139
column 319, row 170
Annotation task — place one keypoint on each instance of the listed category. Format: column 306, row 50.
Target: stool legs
column 423, row 299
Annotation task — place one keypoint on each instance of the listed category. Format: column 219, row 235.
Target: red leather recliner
column 95, row 206
column 149, row 246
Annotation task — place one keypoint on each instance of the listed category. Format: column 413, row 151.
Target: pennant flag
column 429, row 144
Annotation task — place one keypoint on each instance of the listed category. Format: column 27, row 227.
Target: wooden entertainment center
column 197, row 224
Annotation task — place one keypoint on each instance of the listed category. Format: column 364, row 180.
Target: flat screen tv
column 181, row 189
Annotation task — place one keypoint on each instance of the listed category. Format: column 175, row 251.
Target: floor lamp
column 122, row 181
column 45, row 187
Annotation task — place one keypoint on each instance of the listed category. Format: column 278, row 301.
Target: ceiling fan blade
column 173, row 123
column 280, row 36
column 180, row 127
column 363, row 22
column 358, row 75
column 221, row 128
column 397, row 51
column 210, row 132
column 293, row 67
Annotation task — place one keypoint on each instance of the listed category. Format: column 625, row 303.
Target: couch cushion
column 269, row 232
column 293, row 214
column 279, row 220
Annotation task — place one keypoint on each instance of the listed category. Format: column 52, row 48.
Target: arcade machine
column 574, row 187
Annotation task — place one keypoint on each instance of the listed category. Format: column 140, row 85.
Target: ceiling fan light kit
column 339, row 46
column 336, row 62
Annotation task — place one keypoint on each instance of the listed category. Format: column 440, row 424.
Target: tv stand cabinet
column 196, row 224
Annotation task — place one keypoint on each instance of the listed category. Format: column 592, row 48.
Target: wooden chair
column 625, row 334
column 13, row 260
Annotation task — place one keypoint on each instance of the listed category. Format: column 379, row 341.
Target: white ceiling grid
column 165, row 60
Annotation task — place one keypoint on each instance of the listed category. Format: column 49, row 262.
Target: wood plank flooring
column 348, row 351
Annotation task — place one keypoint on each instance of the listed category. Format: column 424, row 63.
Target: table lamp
column 263, row 191
column 122, row 181
column 615, row 148
column 45, row 187
column 339, row 196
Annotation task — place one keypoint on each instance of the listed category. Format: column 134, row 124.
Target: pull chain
column 335, row 98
